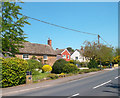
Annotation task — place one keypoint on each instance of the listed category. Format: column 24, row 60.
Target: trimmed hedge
column 58, row 66
column 34, row 64
column 70, row 68
column 62, row 66
column 13, row 71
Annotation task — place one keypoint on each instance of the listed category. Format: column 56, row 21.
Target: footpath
column 48, row 83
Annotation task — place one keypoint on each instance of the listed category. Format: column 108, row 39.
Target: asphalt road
column 102, row 84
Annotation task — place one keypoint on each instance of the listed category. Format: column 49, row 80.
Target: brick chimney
column 49, row 42
column 82, row 48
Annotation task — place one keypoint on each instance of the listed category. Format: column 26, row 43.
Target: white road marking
column 75, row 95
column 117, row 77
column 25, row 90
column 101, row 84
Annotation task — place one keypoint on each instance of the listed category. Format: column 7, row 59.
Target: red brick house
column 44, row 52
column 63, row 54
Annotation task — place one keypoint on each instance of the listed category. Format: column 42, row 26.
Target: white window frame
column 26, row 57
column 64, row 56
column 45, row 57
column 68, row 57
column 76, row 57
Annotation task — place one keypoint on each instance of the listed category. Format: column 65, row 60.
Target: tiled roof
column 33, row 48
column 59, row 51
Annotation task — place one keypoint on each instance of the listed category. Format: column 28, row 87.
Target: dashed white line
column 75, row 95
column 101, row 84
column 117, row 77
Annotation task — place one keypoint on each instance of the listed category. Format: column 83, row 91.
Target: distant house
column 44, row 52
column 63, row 54
column 78, row 56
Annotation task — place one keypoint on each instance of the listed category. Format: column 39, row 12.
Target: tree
column 70, row 49
column 12, row 23
column 98, row 52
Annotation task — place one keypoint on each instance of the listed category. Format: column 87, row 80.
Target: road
column 102, row 84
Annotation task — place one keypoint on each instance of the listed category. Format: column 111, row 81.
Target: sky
column 93, row 17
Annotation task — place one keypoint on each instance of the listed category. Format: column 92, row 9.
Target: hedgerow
column 13, row 71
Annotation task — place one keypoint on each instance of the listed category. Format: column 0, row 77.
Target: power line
column 59, row 26
column 105, row 41
column 67, row 28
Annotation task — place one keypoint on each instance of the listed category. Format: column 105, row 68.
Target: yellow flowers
column 47, row 68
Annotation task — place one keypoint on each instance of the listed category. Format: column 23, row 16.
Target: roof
column 34, row 48
column 59, row 51
column 81, row 51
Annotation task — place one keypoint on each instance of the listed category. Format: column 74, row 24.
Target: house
column 44, row 52
column 78, row 56
column 63, row 54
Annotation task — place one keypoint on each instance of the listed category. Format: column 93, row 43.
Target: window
column 68, row 57
column 64, row 56
column 76, row 58
column 45, row 57
column 25, row 56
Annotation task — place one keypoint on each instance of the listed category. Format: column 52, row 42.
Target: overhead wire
column 65, row 27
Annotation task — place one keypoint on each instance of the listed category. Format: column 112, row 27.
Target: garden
column 14, row 70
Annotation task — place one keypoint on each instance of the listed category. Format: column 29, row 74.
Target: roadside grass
column 40, row 76
column 53, row 76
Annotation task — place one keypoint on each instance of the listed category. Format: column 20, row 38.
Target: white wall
column 77, row 54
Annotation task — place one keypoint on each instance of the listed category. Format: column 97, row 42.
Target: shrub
column 69, row 68
column 40, row 59
column 47, row 68
column 53, row 76
column 34, row 64
column 58, row 66
column 34, row 57
column 92, row 64
column 13, row 71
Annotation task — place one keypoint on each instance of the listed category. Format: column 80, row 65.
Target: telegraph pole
column 98, row 39
column 99, row 48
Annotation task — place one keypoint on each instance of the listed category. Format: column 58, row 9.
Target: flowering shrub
column 47, row 68
column 13, row 71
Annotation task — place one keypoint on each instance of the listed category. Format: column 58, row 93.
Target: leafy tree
column 92, row 64
column 12, row 23
column 70, row 49
column 98, row 52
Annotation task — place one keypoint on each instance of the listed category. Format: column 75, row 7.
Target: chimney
column 82, row 48
column 49, row 42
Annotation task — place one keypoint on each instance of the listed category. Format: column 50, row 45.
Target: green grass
column 39, row 76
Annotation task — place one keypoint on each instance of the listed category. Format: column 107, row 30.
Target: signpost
column 28, row 77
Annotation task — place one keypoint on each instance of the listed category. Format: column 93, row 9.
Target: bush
column 92, row 64
column 47, row 68
column 13, row 71
column 34, row 57
column 53, row 76
column 34, row 64
column 58, row 66
column 69, row 68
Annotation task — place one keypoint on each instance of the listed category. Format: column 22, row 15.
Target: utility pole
column 98, row 39
column 99, row 48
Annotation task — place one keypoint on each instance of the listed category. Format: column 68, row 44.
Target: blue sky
column 99, row 18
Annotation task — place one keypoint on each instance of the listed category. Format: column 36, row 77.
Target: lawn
column 39, row 76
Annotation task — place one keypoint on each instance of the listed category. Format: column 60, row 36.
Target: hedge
column 13, row 71
column 58, row 66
